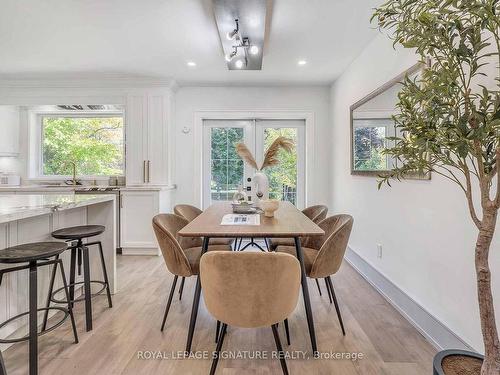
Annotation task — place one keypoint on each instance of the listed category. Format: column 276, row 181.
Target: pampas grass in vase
column 260, row 180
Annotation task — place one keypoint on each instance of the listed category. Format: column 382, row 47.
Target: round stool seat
column 31, row 251
column 78, row 232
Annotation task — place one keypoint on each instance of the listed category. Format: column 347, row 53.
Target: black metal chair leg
column 287, row 331
column 105, row 274
column 51, row 288
column 328, row 290
column 336, row 305
column 217, row 329
column 181, row 288
column 33, row 321
column 218, row 349
column 267, row 244
column 87, row 288
column 319, row 288
column 171, row 295
column 196, row 302
column 72, row 270
column 3, row 371
column 279, row 348
column 66, row 291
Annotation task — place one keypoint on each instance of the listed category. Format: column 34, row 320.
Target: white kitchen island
column 32, row 218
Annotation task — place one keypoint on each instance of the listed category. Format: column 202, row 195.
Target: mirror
column 371, row 123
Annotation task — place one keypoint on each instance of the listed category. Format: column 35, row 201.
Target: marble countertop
column 69, row 188
column 16, row 207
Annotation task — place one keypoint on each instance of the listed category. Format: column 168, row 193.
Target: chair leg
column 217, row 329
column 336, row 305
column 279, row 348
column 51, row 288
column 105, row 274
column 171, row 295
column 72, row 270
column 319, row 288
column 218, row 349
column 287, row 331
column 181, row 288
column 328, row 289
column 70, row 309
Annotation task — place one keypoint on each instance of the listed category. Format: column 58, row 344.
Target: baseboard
column 436, row 332
column 140, row 251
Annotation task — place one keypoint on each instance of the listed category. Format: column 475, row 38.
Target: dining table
column 288, row 222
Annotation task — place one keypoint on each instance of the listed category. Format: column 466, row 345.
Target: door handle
column 149, row 170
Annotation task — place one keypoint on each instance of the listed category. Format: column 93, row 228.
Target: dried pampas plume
column 271, row 155
column 244, row 153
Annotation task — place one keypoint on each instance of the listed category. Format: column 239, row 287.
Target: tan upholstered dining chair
column 249, row 290
column 315, row 213
column 326, row 261
column 180, row 260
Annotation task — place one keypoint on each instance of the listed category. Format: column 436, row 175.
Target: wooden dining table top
column 288, row 221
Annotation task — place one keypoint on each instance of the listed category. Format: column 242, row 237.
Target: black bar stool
column 77, row 234
column 36, row 254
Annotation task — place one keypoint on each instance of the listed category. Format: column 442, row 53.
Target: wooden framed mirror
column 371, row 122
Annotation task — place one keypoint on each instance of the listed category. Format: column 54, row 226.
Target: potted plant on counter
column 448, row 123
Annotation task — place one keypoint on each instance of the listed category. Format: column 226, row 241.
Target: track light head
column 231, row 56
column 232, row 34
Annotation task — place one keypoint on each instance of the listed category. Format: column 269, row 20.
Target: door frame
column 200, row 116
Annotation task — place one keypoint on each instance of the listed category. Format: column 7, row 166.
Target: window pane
column 95, row 144
column 282, row 177
column 227, row 168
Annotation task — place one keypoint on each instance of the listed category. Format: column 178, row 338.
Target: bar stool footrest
column 27, row 337
column 82, row 297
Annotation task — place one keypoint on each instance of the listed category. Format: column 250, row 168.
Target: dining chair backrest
column 316, row 213
column 187, row 211
column 332, row 245
column 166, row 227
column 250, row 289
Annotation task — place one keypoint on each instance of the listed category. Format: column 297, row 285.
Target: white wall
column 188, row 100
column 423, row 226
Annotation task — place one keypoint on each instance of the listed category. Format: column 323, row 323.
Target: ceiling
column 156, row 39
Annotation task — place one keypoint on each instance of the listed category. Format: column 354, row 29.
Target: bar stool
column 77, row 234
column 36, row 254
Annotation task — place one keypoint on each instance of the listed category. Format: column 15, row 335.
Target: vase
column 260, row 187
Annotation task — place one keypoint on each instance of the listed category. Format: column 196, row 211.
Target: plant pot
column 457, row 362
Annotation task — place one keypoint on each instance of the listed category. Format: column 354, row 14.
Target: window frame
column 37, row 137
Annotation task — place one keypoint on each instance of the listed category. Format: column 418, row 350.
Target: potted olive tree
column 448, row 123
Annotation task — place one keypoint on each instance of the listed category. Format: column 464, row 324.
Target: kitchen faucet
column 73, row 166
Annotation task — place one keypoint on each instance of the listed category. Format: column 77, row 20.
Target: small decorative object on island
column 450, row 118
column 269, row 206
column 260, row 180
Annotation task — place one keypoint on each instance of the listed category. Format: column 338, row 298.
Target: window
column 95, row 142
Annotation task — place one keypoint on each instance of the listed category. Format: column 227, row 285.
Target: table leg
column 33, row 322
column 196, row 301
column 305, row 294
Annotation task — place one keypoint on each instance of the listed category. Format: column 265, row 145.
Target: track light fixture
column 232, row 55
column 232, row 34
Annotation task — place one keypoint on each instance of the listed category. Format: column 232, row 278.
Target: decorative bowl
column 269, row 206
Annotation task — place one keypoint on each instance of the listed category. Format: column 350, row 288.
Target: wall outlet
column 379, row 251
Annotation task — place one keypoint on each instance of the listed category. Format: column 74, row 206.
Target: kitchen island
column 32, row 218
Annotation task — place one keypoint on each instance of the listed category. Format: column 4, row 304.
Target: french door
column 224, row 171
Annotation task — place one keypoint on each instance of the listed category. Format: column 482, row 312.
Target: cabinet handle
column 144, row 171
column 149, row 170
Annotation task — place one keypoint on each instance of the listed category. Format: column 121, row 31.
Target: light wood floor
column 390, row 345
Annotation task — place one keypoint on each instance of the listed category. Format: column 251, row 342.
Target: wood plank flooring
column 389, row 344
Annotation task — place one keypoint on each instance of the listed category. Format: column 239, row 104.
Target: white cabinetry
column 147, row 124
column 138, row 207
column 9, row 126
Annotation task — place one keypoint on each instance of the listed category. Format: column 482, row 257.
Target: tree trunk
column 491, row 364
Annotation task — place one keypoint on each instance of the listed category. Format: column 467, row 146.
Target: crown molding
column 97, row 81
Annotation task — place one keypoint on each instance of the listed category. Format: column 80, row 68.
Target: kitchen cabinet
column 9, row 123
column 148, row 116
column 137, row 209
